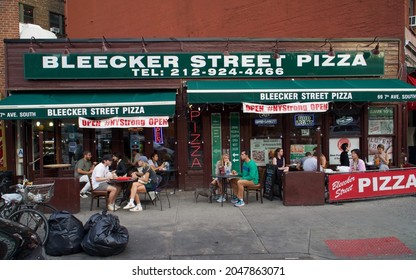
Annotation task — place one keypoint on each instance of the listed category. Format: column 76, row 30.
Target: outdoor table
column 224, row 178
column 58, row 166
column 125, row 186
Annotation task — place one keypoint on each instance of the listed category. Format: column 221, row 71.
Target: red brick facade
column 9, row 28
column 237, row 18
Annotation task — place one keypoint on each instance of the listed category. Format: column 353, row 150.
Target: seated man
column 100, row 177
column 82, row 170
column 250, row 177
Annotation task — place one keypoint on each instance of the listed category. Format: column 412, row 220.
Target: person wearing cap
column 146, row 182
column 100, row 177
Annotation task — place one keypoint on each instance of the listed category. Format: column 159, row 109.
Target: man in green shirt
column 82, row 170
column 250, row 177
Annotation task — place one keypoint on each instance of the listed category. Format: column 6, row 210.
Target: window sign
column 262, row 150
column 380, row 120
column 304, row 120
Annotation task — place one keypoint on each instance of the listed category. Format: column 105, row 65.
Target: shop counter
column 304, row 188
column 66, row 193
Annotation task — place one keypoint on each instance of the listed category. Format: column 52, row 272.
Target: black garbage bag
column 6, row 182
column 104, row 235
column 65, row 234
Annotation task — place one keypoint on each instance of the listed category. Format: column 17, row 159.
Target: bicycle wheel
column 34, row 220
column 45, row 208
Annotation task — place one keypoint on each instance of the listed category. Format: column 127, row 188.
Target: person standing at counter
column 356, row 164
column 100, row 177
column 381, row 159
column 344, row 159
column 279, row 162
column 250, row 177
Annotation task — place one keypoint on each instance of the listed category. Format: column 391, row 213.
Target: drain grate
column 386, row 246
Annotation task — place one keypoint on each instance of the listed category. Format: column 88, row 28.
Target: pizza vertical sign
column 350, row 186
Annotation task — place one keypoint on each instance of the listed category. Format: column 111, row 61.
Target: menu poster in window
column 373, row 142
column 262, row 150
column 335, row 148
column 380, row 120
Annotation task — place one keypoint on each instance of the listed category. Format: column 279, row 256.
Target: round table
column 58, row 166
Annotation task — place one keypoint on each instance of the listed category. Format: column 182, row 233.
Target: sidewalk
column 201, row 230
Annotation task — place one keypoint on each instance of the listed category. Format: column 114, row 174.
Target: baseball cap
column 143, row 158
column 107, row 157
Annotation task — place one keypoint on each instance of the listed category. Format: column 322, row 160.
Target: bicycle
column 23, row 207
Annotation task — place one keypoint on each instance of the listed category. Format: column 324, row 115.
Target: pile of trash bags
column 102, row 235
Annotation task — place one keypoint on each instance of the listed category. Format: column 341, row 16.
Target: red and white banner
column 124, row 122
column 309, row 107
column 349, row 186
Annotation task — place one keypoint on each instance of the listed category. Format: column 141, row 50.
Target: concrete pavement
column 201, row 230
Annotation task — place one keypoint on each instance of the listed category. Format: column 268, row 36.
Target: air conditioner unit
column 55, row 30
column 412, row 21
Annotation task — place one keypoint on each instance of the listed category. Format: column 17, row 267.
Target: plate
column 123, row 178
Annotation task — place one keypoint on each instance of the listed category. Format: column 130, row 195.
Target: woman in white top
column 153, row 162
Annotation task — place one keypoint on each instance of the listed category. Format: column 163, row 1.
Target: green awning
column 287, row 91
column 91, row 104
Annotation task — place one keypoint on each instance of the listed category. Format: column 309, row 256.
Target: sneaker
column 221, row 199
column 137, row 208
column 234, row 200
column 152, row 195
column 129, row 206
column 112, row 207
column 216, row 197
column 88, row 192
column 83, row 195
column 239, row 203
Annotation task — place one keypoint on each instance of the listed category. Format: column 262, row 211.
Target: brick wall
column 42, row 9
column 236, row 18
column 9, row 28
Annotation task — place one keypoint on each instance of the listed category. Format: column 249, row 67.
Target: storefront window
column 44, row 129
column 71, row 135
column 303, row 132
column 380, row 120
column 266, row 136
column 164, row 142
column 345, row 127
column 103, row 139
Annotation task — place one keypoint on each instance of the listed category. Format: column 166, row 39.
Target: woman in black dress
column 344, row 159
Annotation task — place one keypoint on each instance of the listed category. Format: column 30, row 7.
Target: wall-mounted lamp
column 66, row 50
column 105, row 44
column 276, row 54
column 144, row 50
column 331, row 49
column 226, row 50
column 31, row 49
column 376, row 50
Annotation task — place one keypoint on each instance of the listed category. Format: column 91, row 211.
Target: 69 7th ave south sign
column 197, row 65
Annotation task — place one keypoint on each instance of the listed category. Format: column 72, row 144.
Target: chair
column 97, row 194
column 157, row 192
column 258, row 189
